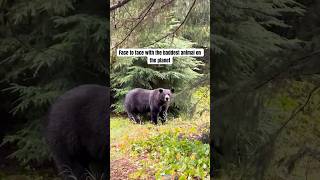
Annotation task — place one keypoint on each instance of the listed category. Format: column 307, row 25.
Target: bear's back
column 138, row 100
column 79, row 98
column 78, row 119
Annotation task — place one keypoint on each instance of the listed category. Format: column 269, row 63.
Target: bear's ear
column 160, row 90
column 172, row 90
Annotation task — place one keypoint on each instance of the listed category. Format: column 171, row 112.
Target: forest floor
column 125, row 164
column 127, row 137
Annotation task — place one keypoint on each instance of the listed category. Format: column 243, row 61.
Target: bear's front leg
column 163, row 116
column 154, row 117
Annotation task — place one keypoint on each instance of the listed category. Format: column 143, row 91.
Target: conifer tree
column 47, row 47
column 258, row 55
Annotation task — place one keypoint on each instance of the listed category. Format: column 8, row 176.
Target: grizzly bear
column 141, row 101
column 77, row 132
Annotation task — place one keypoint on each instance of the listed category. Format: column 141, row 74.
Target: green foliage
column 165, row 149
column 175, row 156
column 128, row 73
column 196, row 27
column 30, row 143
column 245, row 37
column 254, row 44
column 46, row 47
column 33, row 97
column 299, row 135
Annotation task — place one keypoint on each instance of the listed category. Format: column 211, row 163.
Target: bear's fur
column 140, row 101
column 77, row 131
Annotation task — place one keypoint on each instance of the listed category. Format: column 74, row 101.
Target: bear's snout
column 167, row 98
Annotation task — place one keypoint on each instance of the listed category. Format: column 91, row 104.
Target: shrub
column 176, row 156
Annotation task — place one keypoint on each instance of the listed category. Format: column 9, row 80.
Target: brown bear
column 77, row 132
column 140, row 101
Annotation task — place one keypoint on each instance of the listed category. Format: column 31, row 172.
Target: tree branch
column 292, row 64
column 298, row 110
column 172, row 33
column 255, row 84
column 119, row 4
column 137, row 24
column 267, row 146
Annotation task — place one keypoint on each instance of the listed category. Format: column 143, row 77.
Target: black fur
column 77, row 131
column 140, row 101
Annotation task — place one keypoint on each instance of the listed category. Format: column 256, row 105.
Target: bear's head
column 166, row 94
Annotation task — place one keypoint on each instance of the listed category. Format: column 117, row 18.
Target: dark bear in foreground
column 77, row 132
column 139, row 101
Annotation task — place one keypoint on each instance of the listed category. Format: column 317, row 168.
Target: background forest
column 46, row 48
column 265, row 75
column 265, row 72
column 161, row 24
